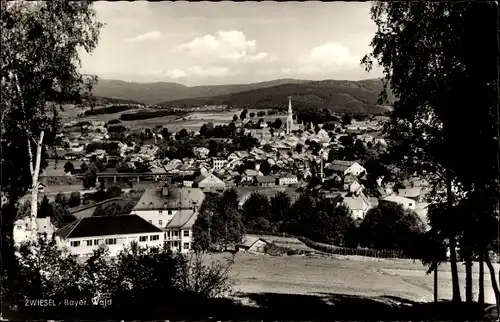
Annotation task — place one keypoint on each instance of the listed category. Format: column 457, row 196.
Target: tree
column 61, row 199
column 74, row 199
column 114, row 191
column 40, row 72
column 213, row 148
column 256, row 213
column 69, row 167
column 165, row 133
column 235, row 118
column 99, row 211
column 219, row 221
column 265, row 168
column 427, row 125
column 299, row 148
column 243, row 114
column 389, row 226
column 89, row 179
column 346, row 119
column 279, row 208
column 84, row 167
column 277, row 123
column 45, row 210
column 183, row 133
column 252, row 114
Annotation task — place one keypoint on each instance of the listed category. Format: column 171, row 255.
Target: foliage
column 69, row 167
column 388, row 226
column 114, row 191
column 74, row 199
column 218, row 222
column 130, row 282
column 255, row 212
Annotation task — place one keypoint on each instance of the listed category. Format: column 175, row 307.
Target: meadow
column 350, row 275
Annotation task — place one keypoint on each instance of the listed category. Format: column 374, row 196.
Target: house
column 412, row 193
column 351, row 184
column 159, row 204
column 261, row 134
column 358, row 205
column 406, row 203
column 23, row 228
column 288, row 179
column 266, row 181
column 252, row 244
column 209, row 181
column 159, row 173
column 85, row 235
column 219, row 163
column 250, row 175
column 179, row 231
column 345, row 167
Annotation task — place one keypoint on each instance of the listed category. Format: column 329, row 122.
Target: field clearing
column 350, row 275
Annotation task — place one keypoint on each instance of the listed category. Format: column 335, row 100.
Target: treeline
column 143, row 115
column 109, row 110
column 139, row 283
column 386, row 226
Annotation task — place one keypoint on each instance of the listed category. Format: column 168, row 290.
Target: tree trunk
column 453, row 245
column 493, row 280
column 35, row 172
column 435, row 282
column 480, row 297
column 468, row 280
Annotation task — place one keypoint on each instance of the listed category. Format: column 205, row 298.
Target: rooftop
column 106, row 226
column 178, row 197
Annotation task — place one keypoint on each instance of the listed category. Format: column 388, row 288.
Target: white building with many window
column 85, row 235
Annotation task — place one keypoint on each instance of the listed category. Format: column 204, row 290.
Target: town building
column 24, row 228
column 209, row 182
column 85, row 235
column 159, row 204
column 344, row 168
column 219, row 163
column 252, row 244
column 179, row 231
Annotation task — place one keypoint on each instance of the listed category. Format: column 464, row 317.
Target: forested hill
column 338, row 96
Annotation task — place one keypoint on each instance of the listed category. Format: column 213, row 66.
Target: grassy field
column 192, row 121
column 343, row 275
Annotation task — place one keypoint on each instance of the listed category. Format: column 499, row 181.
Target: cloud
column 225, row 45
column 149, row 36
column 197, row 71
column 330, row 56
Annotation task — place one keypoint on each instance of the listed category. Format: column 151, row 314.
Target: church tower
column 289, row 119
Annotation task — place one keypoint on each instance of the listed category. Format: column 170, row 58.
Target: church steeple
column 289, row 119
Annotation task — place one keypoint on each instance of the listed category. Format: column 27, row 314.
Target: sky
column 209, row 43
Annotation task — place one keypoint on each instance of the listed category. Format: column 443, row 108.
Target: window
column 160, row 222
column 186, row 245
column 175, row 244
column 89, row 242
column 110, row 241
column 154, row 237
column 410, row 204
column 168, row 234
column 160, row 212
column 143, row 238
column 75, row 243
column 19, row 227
column 186, row 233
column 169, row 212
column 176, row 233
column 97, row 241
column 150, row 221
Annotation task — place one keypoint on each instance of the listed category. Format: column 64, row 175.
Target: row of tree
column 433, row 132
column 386, row 226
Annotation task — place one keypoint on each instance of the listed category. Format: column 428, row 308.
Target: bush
column 129, row 283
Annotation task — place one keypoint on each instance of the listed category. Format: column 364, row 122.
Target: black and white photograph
column 236, row 161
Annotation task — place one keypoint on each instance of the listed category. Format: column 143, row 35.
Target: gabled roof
column 182, row 218
column 249, row 241
column 184, row 198
column 107, row 225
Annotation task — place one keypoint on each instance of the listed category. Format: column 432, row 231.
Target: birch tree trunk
column 480, row 298
column 35, row 173
column 453, row 246
column 493, row 281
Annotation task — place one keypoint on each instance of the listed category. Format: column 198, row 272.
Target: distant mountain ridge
column 336, row 95
column 153, row 93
